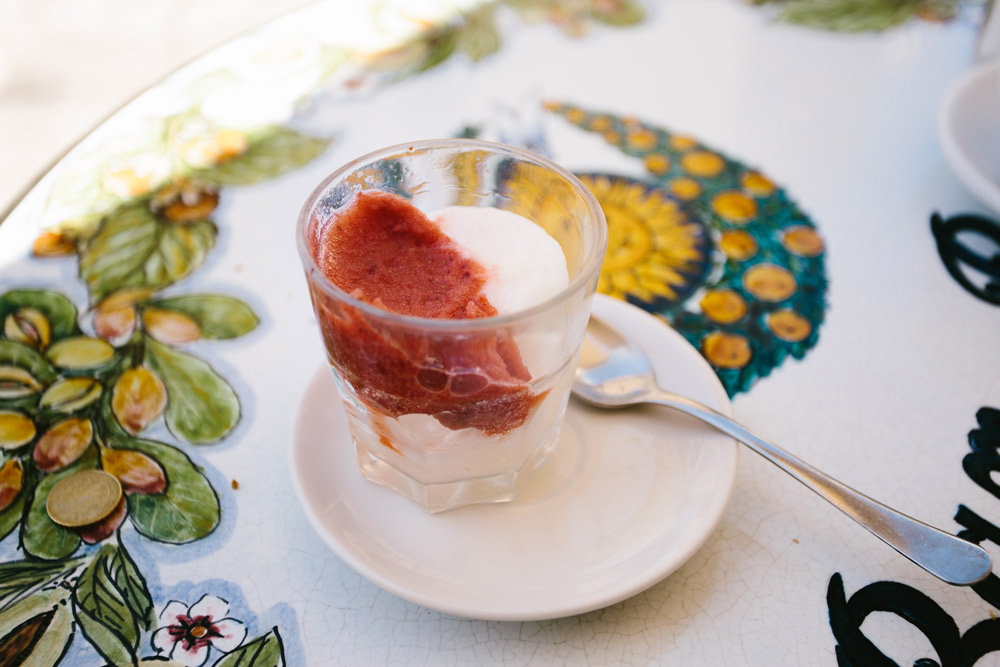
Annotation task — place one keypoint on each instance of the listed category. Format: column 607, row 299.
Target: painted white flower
column 187, row 633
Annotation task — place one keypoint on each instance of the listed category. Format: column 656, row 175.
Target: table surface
column 855, row 349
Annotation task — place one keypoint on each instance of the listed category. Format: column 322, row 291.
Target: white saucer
column 627, row 497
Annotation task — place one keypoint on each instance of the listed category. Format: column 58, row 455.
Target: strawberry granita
column 451, row 333
column 384, row 251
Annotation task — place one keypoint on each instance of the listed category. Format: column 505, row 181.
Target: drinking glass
column 450, row 412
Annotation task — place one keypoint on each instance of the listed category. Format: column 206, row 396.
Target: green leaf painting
column 202, row 407
column 25, row 358
column 112, row 604
column 480, row 37
column 850, row 15
column 264, row 651
column 20, row 577
column 218, row 316
column 127, row 578
column 102, row 612
column 40, row 535
column 36, row 630
column 60, row 312
column 139, row 216
column 11, row 516
column 861, row 15
column 618, row 12
column 188, row 510
column 133, row 248
column 272, row 151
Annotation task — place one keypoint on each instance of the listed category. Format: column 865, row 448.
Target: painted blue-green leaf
column 618, row 13
column 60, row 312
column 218, row 316
column 201, row 407
column 479, row 37
column 41, row 536
column 264, row 651
column 19, row 355
column 104, row 616
column 127, row 578
column 11, row 515
column 272, row 151
column 850, row 15
column 135, row 249
column 186, row 511
column 20, row 576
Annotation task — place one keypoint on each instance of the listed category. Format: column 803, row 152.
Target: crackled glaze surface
column 771, row 187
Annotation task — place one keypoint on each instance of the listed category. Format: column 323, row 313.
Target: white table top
column 884, row 400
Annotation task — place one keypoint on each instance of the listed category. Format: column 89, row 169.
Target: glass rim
column 590, row 266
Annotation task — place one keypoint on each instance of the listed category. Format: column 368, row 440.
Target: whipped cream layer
column 524, row 265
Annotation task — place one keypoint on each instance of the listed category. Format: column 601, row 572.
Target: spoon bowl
column 614, row 373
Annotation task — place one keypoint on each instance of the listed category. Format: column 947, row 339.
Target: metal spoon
column 613, row 373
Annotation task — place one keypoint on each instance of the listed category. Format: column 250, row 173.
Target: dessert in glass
column 452, row 282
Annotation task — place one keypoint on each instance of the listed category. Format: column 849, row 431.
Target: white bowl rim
column 968, row 172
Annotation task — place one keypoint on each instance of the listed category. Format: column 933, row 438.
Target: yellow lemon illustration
column 803, row 241
column 680, row 142
column 642, row 139
column 726, row 350
column 685, row 189
column 703, row 164
column 738, row 245
column 657, row 163
column 788, row 325
column 757, row 184
column 734, row 207
column 724, row 306
column 600, row 123
column 769, row 282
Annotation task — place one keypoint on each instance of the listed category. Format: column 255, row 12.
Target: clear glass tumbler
column 450, row 412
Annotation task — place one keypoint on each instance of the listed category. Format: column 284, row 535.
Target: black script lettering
column 854, row 649
column 985, row 456
column 976, row 530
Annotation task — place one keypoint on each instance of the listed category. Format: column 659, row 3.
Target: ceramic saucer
column 627, row 497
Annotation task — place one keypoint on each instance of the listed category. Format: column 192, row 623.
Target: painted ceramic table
column 768, row 189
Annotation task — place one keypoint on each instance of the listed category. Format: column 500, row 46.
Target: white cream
column 524, row 265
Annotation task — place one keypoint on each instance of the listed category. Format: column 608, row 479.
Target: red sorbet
column 386, row 252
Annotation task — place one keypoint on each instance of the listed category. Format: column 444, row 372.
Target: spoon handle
column 946, row 556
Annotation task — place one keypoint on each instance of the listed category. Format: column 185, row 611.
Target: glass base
column 438, row 497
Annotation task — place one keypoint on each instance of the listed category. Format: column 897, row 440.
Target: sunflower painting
column 656, row 253
column 710, row 245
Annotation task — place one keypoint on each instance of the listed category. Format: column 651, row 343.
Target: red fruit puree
column 384, row 251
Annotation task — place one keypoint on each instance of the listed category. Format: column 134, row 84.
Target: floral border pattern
column 80, row 387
